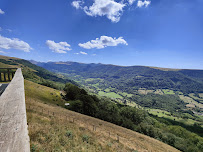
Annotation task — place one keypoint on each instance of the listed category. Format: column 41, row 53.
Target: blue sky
column 162, row 33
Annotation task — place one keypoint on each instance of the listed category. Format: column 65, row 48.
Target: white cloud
column 143, row 3
column 112, row 9
column 77, row 4
column 103, row 42
column 2, row 52
column 1, row 11
column 14, row 43
column 60, row 47
column 83, row 53
column 109, row 8
column 131, row 1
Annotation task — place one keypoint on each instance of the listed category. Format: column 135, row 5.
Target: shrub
column 85, row 138
column 109, row 144
column 33, row 148
column 69, row 134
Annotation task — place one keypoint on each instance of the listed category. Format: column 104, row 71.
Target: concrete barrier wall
column 13, row 120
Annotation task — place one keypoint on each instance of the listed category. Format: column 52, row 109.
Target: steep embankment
column 54, row 128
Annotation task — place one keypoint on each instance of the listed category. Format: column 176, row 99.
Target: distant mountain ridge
column 135, row 77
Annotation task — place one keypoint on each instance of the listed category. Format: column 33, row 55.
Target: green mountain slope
column 131, row 78
column 151, row 87
column 178, row 134
column 35, row 73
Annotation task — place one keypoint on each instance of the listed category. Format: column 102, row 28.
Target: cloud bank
column 60, row 47
column 109, row 8
column 14, row 43
column 103, row 42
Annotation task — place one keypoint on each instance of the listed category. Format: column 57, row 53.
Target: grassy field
column 201, row 95
column 126, row 94
column 196, row 98
column 110, row 94
column 191, row 103
column 167, row 91
column 43, row 93
column 107, row 90
column 144, row 91
column 165, row 114
column 59, row 132
column 158, row 91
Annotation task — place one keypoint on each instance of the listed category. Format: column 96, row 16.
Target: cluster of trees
column 135, row 119
column 170, row 103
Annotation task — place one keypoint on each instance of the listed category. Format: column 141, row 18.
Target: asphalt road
column 3, row 87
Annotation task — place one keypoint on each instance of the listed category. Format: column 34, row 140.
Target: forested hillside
column 132, row 78
column 172, row 90
column 183, row 137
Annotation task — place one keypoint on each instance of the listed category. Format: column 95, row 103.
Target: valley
column 159, row 113
column 142, row 87
column 101, row 76
column 59, row 132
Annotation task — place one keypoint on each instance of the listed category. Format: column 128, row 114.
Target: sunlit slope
column 53, row 128
column 35, row 73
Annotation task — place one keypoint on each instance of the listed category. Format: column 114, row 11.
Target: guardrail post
column 9, row 79
column 13, row 74
column 117, row 137
column 0, row 77
column 5, row 76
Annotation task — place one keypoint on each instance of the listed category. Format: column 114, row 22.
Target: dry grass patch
column 190, row 101
column 52, row 128
column 144, row 91
column 159, row 91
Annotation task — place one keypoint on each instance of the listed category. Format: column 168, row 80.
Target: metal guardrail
column 7, row 74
